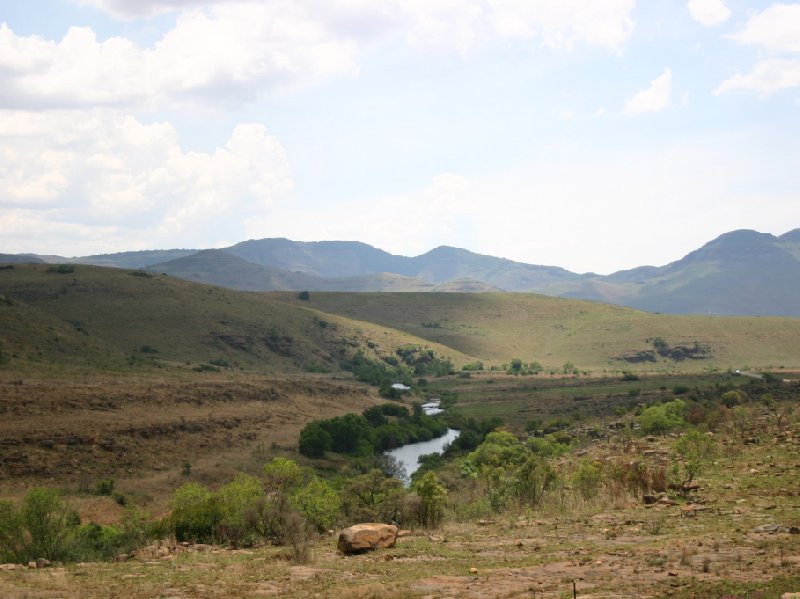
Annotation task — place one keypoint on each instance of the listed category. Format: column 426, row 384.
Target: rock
column 366, row 537
column 771, row 528
column 31, row 565
column 121, row 558
column 473, row 571
column 649, row 499
column 791, row 596
column 42, row 563
column 518, row 543
column 403, row 533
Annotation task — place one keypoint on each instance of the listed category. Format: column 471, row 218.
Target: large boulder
column 366, row 537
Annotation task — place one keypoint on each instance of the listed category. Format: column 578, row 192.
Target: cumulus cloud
column 776, row 31
column 227, row 56
column 224, row 52
column 653, row 99
column 766, row 78
column 103, row 172
column 709, row 12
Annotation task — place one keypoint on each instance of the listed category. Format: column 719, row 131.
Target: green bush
column 49, row 522
column 236, row 502
column 195, row 513
column 433, row 495
column 663, row 417
column 315, row 440
column 104, row 487
column 319, row 503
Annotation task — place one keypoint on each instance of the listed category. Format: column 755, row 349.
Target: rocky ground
column 736, row 536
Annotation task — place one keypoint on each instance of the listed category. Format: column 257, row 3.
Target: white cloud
column 767, row 77
column 709, row 12
column 563, row 23
column 775, row 30
column 228, row 56
column 102, row 172
column 653, row 99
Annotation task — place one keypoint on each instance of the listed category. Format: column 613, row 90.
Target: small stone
column 473, row 571
column 518, row 543
column 31, row 565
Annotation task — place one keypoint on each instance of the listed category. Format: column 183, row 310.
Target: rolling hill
column 106, row 319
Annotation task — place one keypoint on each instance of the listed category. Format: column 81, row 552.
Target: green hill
column 498, row 327
column 68, row 316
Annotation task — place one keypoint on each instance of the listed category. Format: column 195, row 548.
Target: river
column 408, row 455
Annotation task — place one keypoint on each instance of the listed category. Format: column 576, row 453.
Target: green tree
column 318, row 502
column 282, row 476
column 315, row 440
column 694, row 451
column 195, row 513
column 12, row 536
column 236, row 502
column 433, row 495
column 374, row 497
column 49, row 522
column 663, row 417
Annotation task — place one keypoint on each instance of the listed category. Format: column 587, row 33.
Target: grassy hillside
column 58, row 317
column 63, row 316
column 497, row 327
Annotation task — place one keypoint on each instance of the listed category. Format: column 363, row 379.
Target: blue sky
column 591, row 135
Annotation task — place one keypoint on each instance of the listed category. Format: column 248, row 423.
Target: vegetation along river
column 408, row 455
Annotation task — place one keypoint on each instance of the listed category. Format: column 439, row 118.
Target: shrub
column 49, row 522
column 236, row 501
column 195, row 513
column 433, row 495
column 12, row 539
column 662, row 418
column 694, row 451
column 319, row 503
column 315, row 441
column 62, row 269
column 104, row 487
column 587, row 478
column 304, row 295
column 94, row 541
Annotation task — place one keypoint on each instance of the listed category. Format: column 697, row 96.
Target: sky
column 595, row 135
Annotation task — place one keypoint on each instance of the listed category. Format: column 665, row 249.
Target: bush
column 12, row 535
column 104, row 487
column 662, row 418
column 432, row 494
column 49, row 522
column 236, row 501
column 319, row 503
column 315, row 441
column 195, row 513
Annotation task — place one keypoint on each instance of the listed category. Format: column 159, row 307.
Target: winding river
column 408, row 455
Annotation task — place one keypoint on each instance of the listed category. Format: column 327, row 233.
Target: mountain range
column 742, row 272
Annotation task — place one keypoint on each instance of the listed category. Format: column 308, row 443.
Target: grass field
column 153, row 382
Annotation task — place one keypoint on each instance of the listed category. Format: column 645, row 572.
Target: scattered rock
column 42, row 563
column 366, row 537
column 775, row 528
